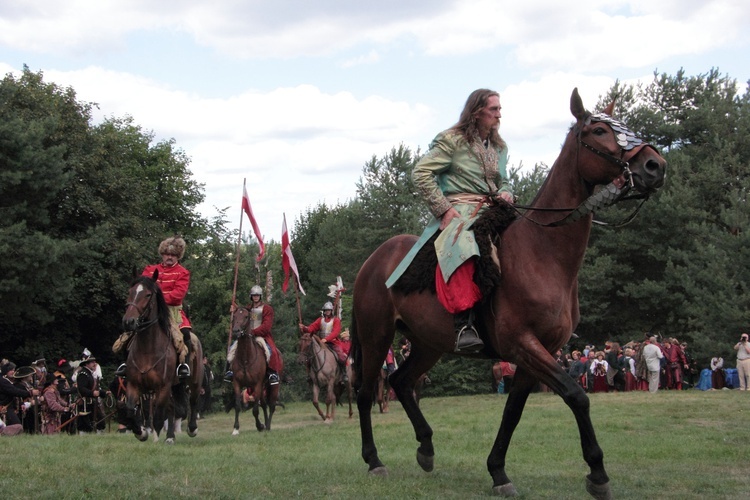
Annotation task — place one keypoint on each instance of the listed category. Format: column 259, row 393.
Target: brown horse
column 249, row 367
column 151, row 364
column 529, row 315
column 323, row 370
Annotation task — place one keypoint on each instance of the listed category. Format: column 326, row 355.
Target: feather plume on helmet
column 173, row 246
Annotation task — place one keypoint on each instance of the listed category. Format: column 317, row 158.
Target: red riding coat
column 264, row 330
column 174, row 283
column 341, row 347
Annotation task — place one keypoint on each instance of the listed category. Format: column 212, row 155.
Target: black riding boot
column 228, row 374
column 467, row 338
column 183, row 371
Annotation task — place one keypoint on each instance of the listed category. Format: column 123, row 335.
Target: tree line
column 83, row 206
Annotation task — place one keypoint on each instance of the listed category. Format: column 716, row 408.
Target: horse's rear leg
column 316, row 396
column 365, row 398
column 403, row 381
column 521, row 388
column 372, row 361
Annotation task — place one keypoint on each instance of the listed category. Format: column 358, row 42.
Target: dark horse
column 529, row 315
column 249, row 366
column 151, row 363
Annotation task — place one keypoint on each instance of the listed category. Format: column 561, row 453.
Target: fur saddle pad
column 488, row 228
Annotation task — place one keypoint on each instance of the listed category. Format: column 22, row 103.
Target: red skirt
column 600, row 383
column 460, row 293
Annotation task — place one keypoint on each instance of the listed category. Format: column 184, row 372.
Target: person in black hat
column 90, row 417
column 10, row 395
column 27, row 408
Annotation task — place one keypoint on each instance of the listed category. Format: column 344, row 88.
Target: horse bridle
column 613, row 192
column 141, row 324
column 244, row 325
column 244, row 333
column 309, row 356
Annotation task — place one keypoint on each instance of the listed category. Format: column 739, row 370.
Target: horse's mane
column 420, row 275
column 162, row 310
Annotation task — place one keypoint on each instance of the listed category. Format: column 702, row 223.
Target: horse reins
column 142, row 314
column 244, row 333
column 312, row 355
column 610, row 194
column 142, row 325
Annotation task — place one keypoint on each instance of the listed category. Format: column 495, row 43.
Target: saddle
column 488, row 229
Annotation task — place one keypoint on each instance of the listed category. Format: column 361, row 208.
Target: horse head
column 240, row 322
column 305, row 340
column 608, row 150
column 145, row 305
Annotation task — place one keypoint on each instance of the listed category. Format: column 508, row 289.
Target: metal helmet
column 328, row 306
column 256, row 290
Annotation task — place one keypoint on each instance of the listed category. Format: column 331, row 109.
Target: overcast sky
column 296, row 96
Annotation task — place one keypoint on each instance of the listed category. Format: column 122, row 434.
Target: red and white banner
column 249, row 211
column 287, row 259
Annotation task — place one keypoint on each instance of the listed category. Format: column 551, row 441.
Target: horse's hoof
column 236, row 432
column 379, row 471
column 328, row 421
column 599, row 491
column 169, row 441
column 426, row 462
column 505, row 490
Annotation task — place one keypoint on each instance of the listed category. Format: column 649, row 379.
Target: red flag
column 249, row 211
column 287, row 259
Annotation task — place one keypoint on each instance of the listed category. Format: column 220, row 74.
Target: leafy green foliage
column 82, row 206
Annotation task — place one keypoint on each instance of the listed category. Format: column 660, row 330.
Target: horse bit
column 612, row 192
column 142, row 314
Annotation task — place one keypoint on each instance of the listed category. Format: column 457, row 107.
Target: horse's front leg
column 164, row 410
column 597, row 482
column 273, row 396
column 315, row 396
column 195, row 388
column 520, row 390
column 330, row 401
column 237, row 406
column 256, row 406
column 135, row 413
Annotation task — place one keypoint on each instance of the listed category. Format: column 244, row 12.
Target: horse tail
column 355, row 351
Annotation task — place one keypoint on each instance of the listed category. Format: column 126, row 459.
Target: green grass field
column 686, row 445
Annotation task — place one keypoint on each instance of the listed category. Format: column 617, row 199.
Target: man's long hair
column 467, row 122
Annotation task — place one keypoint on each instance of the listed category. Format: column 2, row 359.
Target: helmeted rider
column 261, row 323
column 328, row 326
